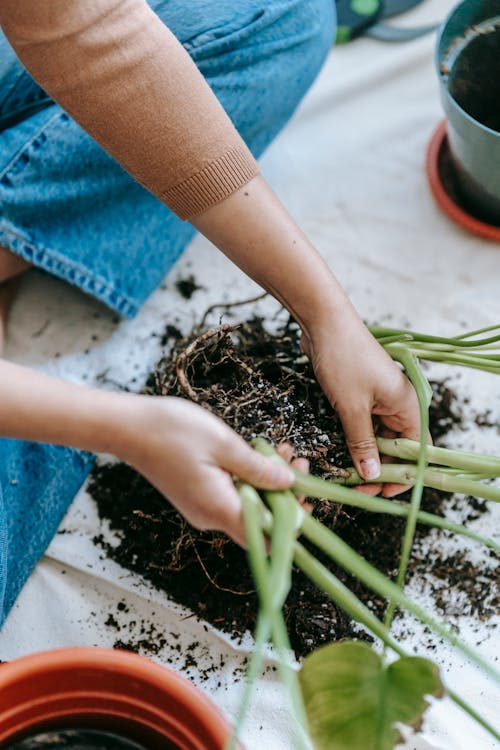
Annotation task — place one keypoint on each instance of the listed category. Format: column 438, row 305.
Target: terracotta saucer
column 442, row 183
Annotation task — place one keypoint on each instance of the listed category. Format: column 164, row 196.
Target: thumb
column 362, row 445
column 254, row 468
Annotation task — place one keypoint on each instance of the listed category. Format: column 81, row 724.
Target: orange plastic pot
column 110, row 690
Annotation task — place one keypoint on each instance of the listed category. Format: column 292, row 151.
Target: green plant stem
column 311, row 486
column 273, row 580
column 464, row 460
column 489, row 351
column 255, row 518
column 456, row 359
column 461, row 703
column 259, row 566
column 347, row 558
column 287, row 520
column 344, row 598
column 424, row 395
column 463, row 340
column 306, row 484
column 432, row 477
column 479, row 331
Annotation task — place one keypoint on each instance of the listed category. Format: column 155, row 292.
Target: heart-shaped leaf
column 353, row 699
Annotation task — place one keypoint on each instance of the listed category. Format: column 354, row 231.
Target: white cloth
column 350, row 167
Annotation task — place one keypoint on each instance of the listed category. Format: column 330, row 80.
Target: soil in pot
column 474, row 80
column 260, row 383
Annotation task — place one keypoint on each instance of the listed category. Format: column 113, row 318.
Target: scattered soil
column 261, row 384
column 187, row 287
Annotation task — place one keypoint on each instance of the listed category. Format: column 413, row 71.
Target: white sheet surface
column 350, row 167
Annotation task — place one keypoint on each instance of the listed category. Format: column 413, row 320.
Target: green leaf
column 353, row 699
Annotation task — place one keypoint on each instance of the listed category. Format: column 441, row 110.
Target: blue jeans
column 69, row 209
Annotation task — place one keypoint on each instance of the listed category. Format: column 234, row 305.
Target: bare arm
column 125, row 78
column 253, row 229
column 185, row 452
column 116, row 68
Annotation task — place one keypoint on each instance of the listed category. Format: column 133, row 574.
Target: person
column 126, row 126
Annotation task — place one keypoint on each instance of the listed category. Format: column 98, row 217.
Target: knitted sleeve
column 125, row 78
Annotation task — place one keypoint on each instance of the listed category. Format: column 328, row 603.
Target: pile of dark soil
column 260, row 384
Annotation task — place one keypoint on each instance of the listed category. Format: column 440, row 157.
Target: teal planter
column 468, row 63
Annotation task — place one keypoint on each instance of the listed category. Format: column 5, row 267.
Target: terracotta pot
column 110, row 690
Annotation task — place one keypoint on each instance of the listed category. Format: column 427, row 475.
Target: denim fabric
column 69, row 209
column 37, row 483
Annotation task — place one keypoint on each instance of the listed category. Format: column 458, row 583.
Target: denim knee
column 315, row 20
column 305, row 31
column 261, row 67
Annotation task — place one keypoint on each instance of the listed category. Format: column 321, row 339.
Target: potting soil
column 260, row 383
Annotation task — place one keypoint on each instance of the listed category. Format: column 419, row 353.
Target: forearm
column 255, row 231
column 35, row 406
column 126, row 79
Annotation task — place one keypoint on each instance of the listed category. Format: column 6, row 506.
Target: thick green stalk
column 339, row 551
column 461, row 703
column 273, row 579
column 474, row 350
column 479, row 331
column 459, row 341
column 311, row 486
column 259, row 566
column 465, row 460
column 432, row 477
column 464, row 485
column 287, row 520
column 344, row 598
column 456, row 359
column 424, row 395
column 306, row 484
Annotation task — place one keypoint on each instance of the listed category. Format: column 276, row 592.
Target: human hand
column 361, row 382
column 190, row 456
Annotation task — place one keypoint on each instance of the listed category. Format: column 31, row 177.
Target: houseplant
column 231, row 367
column 346, row 696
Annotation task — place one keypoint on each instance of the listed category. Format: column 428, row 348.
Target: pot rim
column 438, row 60
column 130, row 666
column 444, row 201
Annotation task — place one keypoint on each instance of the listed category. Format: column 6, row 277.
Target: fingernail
column 283, row 475
column 370, row 468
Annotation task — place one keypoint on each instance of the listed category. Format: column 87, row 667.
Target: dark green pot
column 468, row 64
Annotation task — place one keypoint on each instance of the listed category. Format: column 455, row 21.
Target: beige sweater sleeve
column 124, row 77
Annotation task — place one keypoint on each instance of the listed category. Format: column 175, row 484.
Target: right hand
column 190, row 456
column 365, row 386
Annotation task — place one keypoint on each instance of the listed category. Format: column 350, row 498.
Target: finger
column 360, row 437
column 369, row 489
column 391, row 490
column 286, row 452
column 256, row 469
column 302, row 464
column 402, row 417
column 222, row 510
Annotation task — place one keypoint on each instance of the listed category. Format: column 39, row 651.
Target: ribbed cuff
column 211, row 185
